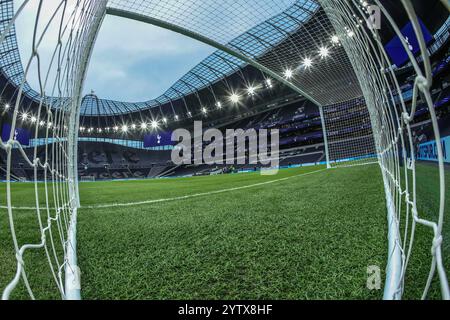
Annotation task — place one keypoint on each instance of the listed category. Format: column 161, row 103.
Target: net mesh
column 391, row 119
column 278, row 35
column 349, row 133
column 322, row 49
column 68, row 29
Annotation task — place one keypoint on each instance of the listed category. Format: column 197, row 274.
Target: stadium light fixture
column 204, row 110
column 164, row 120
column 7, row 107
column 269, row 83
column 219, row 105
column 176, row 117
column 24, row 116
column 155, row 124
column 133, row 126
column 288, row 74
column 144, row 125
column 234, row 98
column 42, row 123
column 116, row 128
column 335, row 39
column 49, row 125
column 33, row 119
column 251, row 91
column 189, row 114
column 324, row 52
column 124, row 128
column 307, row 63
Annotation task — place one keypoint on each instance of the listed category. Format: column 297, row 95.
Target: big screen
column 21, row 135
column 396, row 50
column 159, row 139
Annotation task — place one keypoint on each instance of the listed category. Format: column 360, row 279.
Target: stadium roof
column 259, row 37
column 292, row 41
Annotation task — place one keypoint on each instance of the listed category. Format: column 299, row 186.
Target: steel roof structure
column 261, row 37
column 284, row 39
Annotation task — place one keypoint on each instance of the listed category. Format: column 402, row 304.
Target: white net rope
column 391, row 120
column 68, row 28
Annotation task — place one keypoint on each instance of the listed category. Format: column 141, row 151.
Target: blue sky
column 133, row 61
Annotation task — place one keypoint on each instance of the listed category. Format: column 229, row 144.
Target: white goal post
column 69, row 29
column 365, row 118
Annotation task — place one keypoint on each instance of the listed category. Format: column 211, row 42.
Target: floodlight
column 155, row 124
column 288, row 74
column 324, row 52
column 307, row 62
column 144, row 125
column 251, row 91
column 234, row 98
column 335, row 39
column 124, row 128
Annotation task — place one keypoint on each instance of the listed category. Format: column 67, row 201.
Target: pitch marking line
column 196, row 195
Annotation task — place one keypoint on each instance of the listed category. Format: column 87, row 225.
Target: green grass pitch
column 305, row 237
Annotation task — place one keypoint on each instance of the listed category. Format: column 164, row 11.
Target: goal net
column 87, row 178
column 349, row 134
column 321, row 49
column 43, row 231
column 391, row 118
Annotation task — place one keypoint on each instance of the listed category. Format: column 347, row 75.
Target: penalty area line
column 198, row 195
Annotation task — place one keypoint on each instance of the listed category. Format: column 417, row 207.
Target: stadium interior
column 125, row 141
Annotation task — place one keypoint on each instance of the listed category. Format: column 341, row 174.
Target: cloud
column 132, row 61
